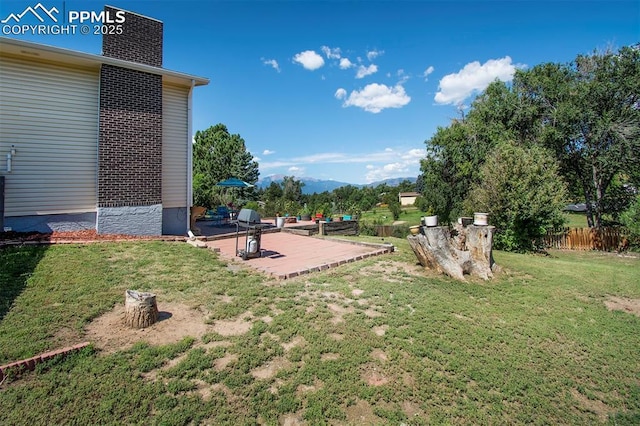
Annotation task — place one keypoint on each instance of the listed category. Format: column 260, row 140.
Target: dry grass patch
column 271, row 368
column 630, row 306
column 361, row 413
column 176, row 321
column 235, row 327
column 374, row 375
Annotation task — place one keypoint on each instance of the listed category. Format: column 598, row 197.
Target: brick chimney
column 130, row 131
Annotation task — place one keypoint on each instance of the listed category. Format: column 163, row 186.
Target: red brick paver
column 286, row 255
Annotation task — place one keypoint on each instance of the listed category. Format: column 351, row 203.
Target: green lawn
column 411, row 215
column 382, row 216
column 575, row 220
column 379, row 341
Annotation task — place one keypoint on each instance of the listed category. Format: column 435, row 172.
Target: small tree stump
column 467, row 250
column 140, row 309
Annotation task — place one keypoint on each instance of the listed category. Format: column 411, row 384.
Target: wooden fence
column 605, row 239
column 384, row 230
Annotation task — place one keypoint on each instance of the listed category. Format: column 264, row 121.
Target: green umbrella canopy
column 234, row 183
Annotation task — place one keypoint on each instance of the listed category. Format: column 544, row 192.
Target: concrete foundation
column 130, row 220
column 51, row 222
column 174, row 221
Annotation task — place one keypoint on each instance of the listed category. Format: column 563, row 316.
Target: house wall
column 97, row 146
column 407, row 201
column 175, row 137
column 49, row 112
column 175, row 172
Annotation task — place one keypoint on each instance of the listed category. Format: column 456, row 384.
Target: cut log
column 140, row 309
column 463, row 250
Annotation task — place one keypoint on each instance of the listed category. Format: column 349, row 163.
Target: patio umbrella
column 234, row 183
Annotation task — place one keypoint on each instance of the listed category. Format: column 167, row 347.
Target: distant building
column 96, row 141
column 408, row 198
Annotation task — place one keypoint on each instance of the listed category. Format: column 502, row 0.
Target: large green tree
column 588, row 114
column 219, row 155
column 456, row 153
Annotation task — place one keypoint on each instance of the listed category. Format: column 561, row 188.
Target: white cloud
column 372, row 54
column 309, row 59
column 399, row 163
column 414, row 154
column 365, row 71
column 345, row 63
column 375, row 97
column 340, row 158
column 473, row 78
column 383, row 164
column 427, row 73
column 387, row 171
column 331, row 53
column 271, row 62
column 403, row 76
column 268, row 152
column 340, row 93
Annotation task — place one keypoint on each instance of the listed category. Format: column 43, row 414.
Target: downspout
column 190, row 157
column 97, row 159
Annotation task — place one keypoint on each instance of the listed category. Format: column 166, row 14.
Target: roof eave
column 44, row 52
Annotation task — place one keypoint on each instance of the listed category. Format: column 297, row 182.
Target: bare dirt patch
column 380, row 330
column 374, row 376
column 176, row 321
column 631, row 306
column 293, row 419
column 303, row 389
column 271, row 368
column 372, row 313
column 412, row 409
column 362, row 414
column 338, row 312
column 329, row 356
column 598, row 407
column 236, row 327
column 226, row 299
column 222, row 363
column 296, row 341
column 392, row 271
column 379, row 355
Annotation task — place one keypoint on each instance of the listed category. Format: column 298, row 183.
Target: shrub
column 521, row 190
column 630, row 218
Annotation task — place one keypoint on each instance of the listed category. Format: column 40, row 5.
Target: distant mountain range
column 312, row 185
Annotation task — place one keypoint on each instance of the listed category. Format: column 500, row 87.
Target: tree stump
column 140, row 309
column 465, row 250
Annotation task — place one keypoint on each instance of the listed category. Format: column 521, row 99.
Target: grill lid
column 249, row 216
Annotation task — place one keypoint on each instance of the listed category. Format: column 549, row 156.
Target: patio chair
column 223, row 211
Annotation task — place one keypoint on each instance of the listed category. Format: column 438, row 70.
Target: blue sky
column 350, row 90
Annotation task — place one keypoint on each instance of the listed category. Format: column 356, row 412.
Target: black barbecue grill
column 251, row 224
